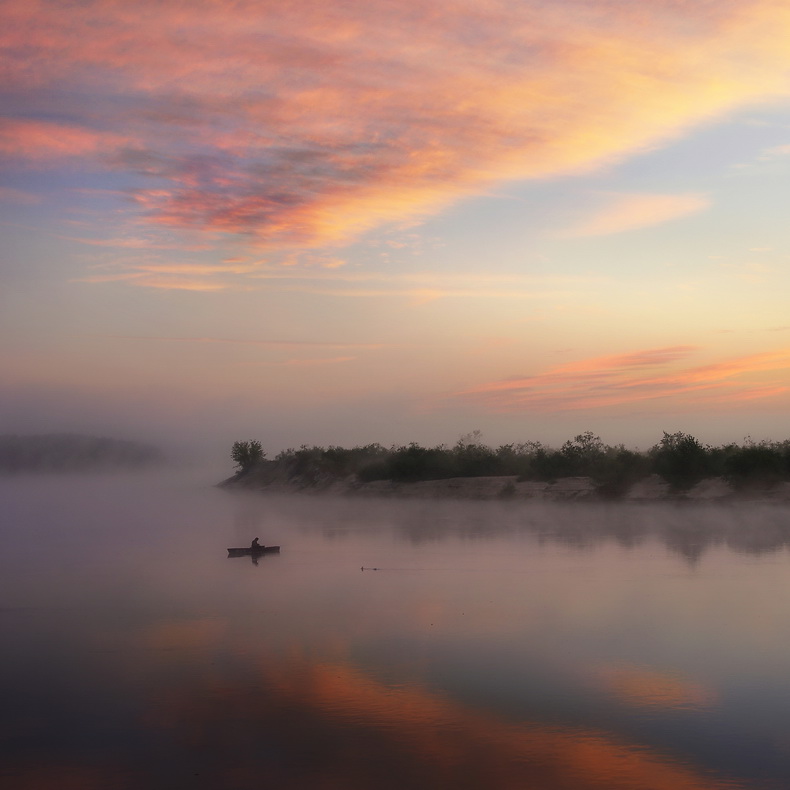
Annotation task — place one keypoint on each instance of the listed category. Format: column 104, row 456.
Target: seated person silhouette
column 255, row 545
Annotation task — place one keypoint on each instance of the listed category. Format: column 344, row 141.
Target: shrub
column 618, row 470
column 680, row 459
column 756, row 463
column 247, row 454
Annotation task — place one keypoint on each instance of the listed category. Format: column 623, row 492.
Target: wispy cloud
column 776, row 151
column 163, row 282
column 308, row 124
column 629, row 212
column 18, row 196
column 639, row 377
column 149, row 271
column 299, row 362
column 273, row 344
column 419, row 287
column 33, row 139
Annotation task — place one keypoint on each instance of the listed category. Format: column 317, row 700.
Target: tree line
column 65, row 452
column 679, row 458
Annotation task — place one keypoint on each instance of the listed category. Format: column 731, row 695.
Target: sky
column 394, row 221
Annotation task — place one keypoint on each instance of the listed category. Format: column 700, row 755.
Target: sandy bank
column 565, row 489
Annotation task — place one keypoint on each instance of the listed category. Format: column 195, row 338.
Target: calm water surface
column 496, row 646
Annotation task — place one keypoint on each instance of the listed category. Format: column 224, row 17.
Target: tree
column 582, row 454
column 680, row 459
column 247, row 454
column 755, row 463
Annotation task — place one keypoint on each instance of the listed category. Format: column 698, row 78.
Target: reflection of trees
column 688, row 529
column 689, row 544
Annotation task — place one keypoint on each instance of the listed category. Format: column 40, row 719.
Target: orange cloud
column 629, row 212
column 159, row 281
column 642, row 376
column 153, row 273
column 307, row 123
column 419, row 287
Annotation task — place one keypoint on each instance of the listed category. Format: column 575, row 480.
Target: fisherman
column 255, row 545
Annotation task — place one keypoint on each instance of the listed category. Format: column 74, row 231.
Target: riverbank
column 566, row 489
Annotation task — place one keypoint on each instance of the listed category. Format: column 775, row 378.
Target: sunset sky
column 345, row 222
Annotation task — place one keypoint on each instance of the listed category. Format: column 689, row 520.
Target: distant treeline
column 72, row 453
column 678, row 458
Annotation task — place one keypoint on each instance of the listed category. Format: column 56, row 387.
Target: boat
column 253, row 552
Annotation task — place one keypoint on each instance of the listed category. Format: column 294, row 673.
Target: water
column 496, row 646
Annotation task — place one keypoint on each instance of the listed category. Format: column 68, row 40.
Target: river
column 391, row 644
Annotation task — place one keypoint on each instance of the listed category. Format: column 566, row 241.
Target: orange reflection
column 354, row 731
column 65, row 776
column 648, row 688
column 183, row 634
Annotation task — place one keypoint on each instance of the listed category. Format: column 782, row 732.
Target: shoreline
column 509, row 488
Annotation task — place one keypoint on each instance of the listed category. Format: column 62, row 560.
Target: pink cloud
column 308, row 123
column 42, row 140
column 608, row 368
column 644, row 376
column 630, row 212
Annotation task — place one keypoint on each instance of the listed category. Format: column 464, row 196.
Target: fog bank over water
column 190, row 425
column 688, row 529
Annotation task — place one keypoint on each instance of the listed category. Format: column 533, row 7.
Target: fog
column 190, row 425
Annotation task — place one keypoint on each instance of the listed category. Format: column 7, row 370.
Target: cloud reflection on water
column 643, row 686
column 316, row 723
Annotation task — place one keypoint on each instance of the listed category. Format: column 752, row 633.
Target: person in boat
column 255, row 545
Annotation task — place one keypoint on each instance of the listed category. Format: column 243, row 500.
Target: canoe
column 250, row 552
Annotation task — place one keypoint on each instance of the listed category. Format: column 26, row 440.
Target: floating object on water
column 253, row 552
column 363, row 568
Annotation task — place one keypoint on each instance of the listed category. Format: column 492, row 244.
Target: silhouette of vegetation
column 247, row 454
column 312, row 464
column 72, row 453
column 757, row 464
column 679, row 458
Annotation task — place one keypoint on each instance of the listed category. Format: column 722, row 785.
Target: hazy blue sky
column 395, row 220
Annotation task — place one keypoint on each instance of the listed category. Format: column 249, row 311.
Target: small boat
column 253, row 552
